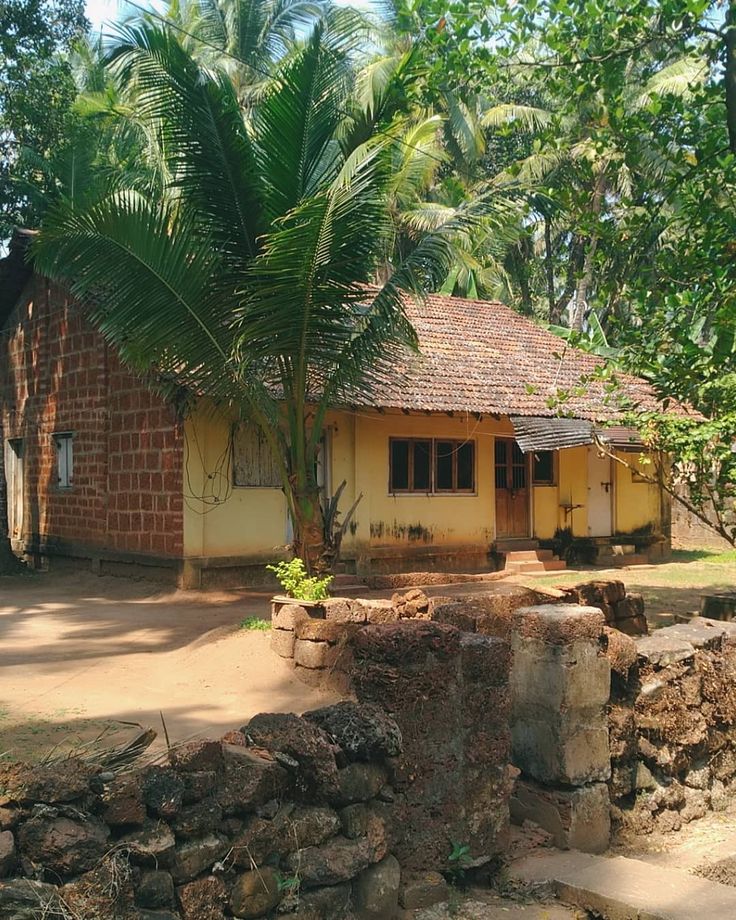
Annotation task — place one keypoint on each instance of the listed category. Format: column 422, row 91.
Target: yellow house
column 459, row 457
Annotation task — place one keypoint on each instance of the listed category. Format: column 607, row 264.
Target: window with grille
column 64, row 444
column 427, row 465
column 254, row 464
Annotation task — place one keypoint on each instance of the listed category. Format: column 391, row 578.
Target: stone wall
column 448, row 692
column 295, row 820
column 672, row 722
column 345, row 812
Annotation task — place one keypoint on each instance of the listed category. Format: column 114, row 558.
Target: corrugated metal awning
column 536, row 433
column 620, row 437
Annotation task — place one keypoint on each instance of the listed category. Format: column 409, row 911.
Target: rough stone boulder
column 163, row 791
column 204, row 899
column 62, row 781
column 307, row 745
column 26, row 899
column 61, row 844
column 336, row 861
column 255, row 893
column 362, row 730
column 414, row 604
column 249, row 780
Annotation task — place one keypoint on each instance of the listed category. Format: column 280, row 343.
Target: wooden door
column 512, row 490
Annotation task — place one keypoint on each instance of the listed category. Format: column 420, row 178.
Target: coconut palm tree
column 243, row 281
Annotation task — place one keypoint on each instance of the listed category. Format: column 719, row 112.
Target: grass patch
column 713, row 556
column 256, row 624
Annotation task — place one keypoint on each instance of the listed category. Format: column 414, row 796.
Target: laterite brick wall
column 57, row 375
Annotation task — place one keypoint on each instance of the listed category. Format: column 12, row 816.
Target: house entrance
column 512, row 490
column 600, row 494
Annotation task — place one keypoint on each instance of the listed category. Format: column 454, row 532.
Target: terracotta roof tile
column 484, row 357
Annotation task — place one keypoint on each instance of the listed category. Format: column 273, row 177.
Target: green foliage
column 297, row 583
column 36, row 93
column 458, row 863
column 255, row 624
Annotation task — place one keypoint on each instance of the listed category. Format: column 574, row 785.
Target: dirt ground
column 79, row 655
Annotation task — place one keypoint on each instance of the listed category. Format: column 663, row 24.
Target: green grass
column 705, row 555
column 255, row 623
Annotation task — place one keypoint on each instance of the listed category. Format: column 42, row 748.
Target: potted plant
column 299, row 587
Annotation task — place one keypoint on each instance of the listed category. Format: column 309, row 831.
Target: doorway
column 600, row 494
column 512, row 489
column 14, row 483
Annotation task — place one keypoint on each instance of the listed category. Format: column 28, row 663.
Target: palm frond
column 201, row 135
column 680, row 78
column 296, row 126
column 521, row 117
column 151, row 283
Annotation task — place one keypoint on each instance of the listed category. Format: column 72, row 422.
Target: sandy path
column 77, row 652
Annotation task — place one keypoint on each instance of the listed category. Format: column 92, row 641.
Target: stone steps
column 522, row 562
column 619, row 888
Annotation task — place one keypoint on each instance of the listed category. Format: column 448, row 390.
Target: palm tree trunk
column 309, row 529
column 549, row 269
column 730, row 73
column 580, row 304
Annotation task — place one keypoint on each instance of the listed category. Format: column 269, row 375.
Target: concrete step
column 618, row 888
column 541, row 565
column 513, row 545
column 529, row 555
column 609, row 561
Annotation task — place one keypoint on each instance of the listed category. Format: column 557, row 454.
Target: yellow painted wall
column 252, row 522
column 384, row 519
column 637, row 503
column 546, row 511
column 573, row 489
column 249, row 522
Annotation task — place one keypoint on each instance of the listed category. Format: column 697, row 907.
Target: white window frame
column 64, row 444
column 14, row 454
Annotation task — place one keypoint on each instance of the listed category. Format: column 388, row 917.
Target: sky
column 102, row 12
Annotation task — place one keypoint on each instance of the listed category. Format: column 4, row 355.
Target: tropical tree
column 244, row 280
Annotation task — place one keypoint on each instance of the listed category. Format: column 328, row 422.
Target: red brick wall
column 57, row 374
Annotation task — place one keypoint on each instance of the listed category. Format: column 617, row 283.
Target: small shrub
column 293, row 578
column 457, row 863
column 255, row 623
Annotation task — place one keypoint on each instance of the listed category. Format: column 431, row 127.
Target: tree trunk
column 580, row 304
column 730, row 73
column 309, row 529
column 549, row 269
column 574, row 265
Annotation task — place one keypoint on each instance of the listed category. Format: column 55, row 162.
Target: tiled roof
column 484, row 357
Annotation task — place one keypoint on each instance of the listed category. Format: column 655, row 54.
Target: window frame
column 433, row 489
column 545, row 483
column 250, row 429
column 64, row 446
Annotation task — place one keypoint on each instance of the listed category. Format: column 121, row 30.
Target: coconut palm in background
column 243, row 280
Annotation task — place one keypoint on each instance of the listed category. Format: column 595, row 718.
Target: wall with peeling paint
column 221, row 520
